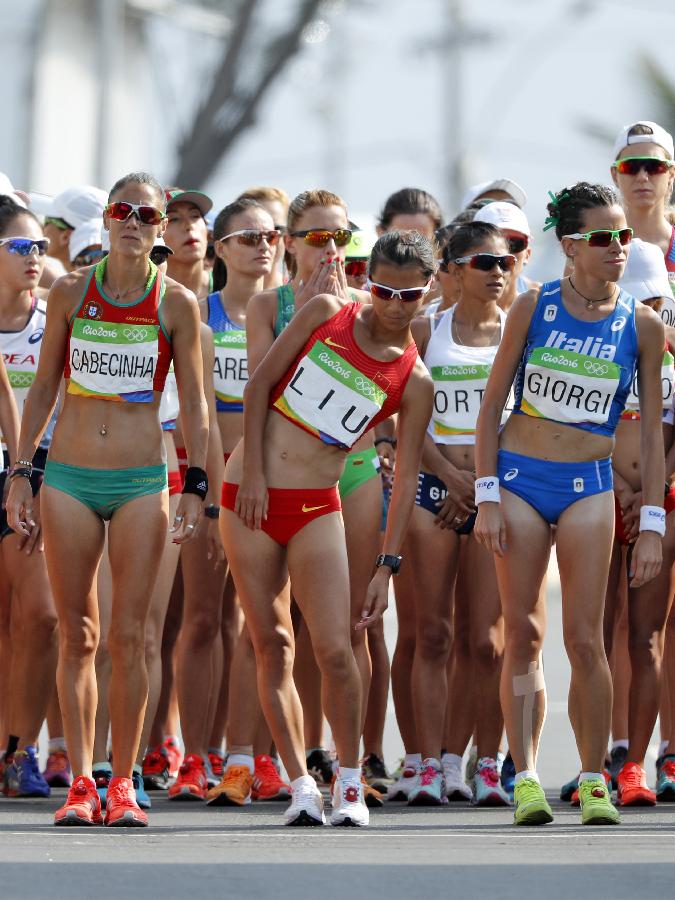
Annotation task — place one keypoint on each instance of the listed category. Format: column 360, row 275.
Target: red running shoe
column 82, row 806
column 175, row 756
column 156, row 769
column 217, row 761
column 121, row 810
column 267, row 783
column 191, row 783
column 57, row 772
column 632, row 789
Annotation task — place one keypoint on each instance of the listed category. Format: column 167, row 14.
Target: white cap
column 160, row 242
column 505, row 216
column 645, row 275
column 88, row 234
column 657, row 135
column 7, row 188
column 499, row 184
column 105, row 240
column 75, row 205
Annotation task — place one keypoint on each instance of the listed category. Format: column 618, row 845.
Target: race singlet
column 230, row 370
column 667, row 379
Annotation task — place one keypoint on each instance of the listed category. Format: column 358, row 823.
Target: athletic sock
column 303, row 781
column 57, row 745
column 12, row 745
column 138, row 769
column 527, row 773
column 590, row 776
column 621, row 743
column 217, row 751
column 335, row 766
column 102, row 767
column 452, row 759
column 412, row 760
column 349, row 774
column 241, row 759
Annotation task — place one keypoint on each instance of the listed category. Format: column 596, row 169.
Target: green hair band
column 552, row 220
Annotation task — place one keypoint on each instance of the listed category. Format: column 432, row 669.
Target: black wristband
column 196, row 482
column 22, row 471
column 385, row 440
column 212, row 511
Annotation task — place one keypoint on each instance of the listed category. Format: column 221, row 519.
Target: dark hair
column 139, row 178
column 404, row 248
column 409, row 202
column 468, row 236
column 9, row 210
column 569, row 206
column 221, row 227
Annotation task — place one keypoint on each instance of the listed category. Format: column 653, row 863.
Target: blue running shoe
column 142, row 797
column 508, row 775
column 31, row 782
column 429, row 789
column 568, row 789
column 102, row 776
column 665, row 783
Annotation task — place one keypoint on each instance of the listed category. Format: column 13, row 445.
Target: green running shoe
column 531, row 805
column 596, row 805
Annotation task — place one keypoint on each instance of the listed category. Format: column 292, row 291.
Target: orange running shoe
column 374, row 799
column 82, row 806
column 234, row 789
column 121, row 809
column 267, row 783
column 632, row 789
column 574, row 799
column 191, row 783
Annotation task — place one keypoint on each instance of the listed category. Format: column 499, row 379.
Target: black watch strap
column 389, row 560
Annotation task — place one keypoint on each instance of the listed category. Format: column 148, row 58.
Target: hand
column 387, row 454
column 645, row 562
column 252, row 501
column 187, row 518
column 377, row 598
column 324, row 279
column 19, row 506
column 630, row 516
column 35, row 541
column 490, row 529
column 215, row 552
column 459, row 503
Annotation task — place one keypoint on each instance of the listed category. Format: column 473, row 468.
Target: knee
column 336, row 661
column 275, row 652
column 126, row 642
column 644, row 647
column 584, row 650
column 42, row 631
column 433, row 641
column 78, row 638
column 153, row 643
column 487, row 652
column 523, row 637
column 199, row 632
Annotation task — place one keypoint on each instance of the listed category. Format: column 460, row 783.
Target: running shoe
column 471, row 765
column 267, row 783
column 400, row 789
column 487, row 789
column 102, row 780
column 429, row 788
column 375, row 773
column 156, row 769
column 174, row 754
column 306, row 807
column 531, row 805
column 191, row 782
column 568, row 789
column 10, row 778
column 211, row 778
column 349, row 806
column 142, row 797
column 455, row 786
column 320, row 766
column 234, row 789
column 122, row 809
column 31, row 782
column 617, row 760
column 508, row 775
column 374, row 798
column 57, row 772
column 632, row 789
column 217, row 762
column 665, row 784
column 575, row 801
column 596, row 805
column 82, row 806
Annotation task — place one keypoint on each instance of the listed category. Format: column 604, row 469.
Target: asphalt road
column 192, row 851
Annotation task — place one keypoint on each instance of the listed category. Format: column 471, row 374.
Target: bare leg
column 230, row 628
column 167, row 697
column 404, row 654
column 103, row 663
column 378, row 696
column 307, row 677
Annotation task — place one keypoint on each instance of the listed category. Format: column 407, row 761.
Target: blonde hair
column 301, row 204
column 262, row 192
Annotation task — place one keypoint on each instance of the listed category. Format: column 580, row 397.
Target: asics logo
column 594, row 368
column 36, row 336
column 307, row 509
column 618, row 324
column 135, row 334
column 510, row 475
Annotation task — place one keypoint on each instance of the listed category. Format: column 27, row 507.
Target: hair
column 9, row 210
column 409, row 202
column 139, row 178
column 221, row 227
column 261, row 193
column 569, row 205
column 300, row 205
column 466, row 237
column 404, row 248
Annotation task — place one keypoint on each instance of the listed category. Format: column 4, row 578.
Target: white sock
column 102, row 766
column 303, row 781
column 138, row 769
column 663, row 746
column 527, row 773
column 620, row 743
column 452, row 759
column 217, row 751
column 57, row 744
column 349, row 774
column 412, row 760
column 591, row 776
column 241, row 759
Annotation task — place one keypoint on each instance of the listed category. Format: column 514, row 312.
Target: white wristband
column 487, row 489
column 653, row 518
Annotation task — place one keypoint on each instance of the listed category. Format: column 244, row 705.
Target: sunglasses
column 61, row 224
column 485, row 262
column 24, row 246
column 250, row 238
column 406, row 295
column 88, row 259
column 316, row 237
column 518, row 244
column 631, row 165
column 146, row 215
column 356, row 268
column 603, row 237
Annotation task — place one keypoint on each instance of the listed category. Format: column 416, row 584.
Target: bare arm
column 215, row 464
column 9, row 415
column 260, row 315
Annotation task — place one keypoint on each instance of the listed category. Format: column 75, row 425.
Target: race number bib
column 230, row 369
column 667, row 378
column 458, row 394
column 569, row 387
column 113, row 360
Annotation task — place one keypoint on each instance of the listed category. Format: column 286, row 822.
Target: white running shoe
column 401, row 788
column 487, row 787
column 429, row 789
column 306, row 807
column 349, row 807
column 455, row 786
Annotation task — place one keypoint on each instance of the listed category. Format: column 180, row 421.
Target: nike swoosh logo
column 313, row 508
column 331, row 343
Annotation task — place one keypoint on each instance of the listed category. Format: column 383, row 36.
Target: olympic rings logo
column 135, row 334
column 20, row 379
column 365, row 387
column 594, row 368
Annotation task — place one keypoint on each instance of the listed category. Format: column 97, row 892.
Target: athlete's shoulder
column 649, row 323
column 523, row 307
column 175, row 292
column 67, row 292
column 421, row 331
column 264, row 304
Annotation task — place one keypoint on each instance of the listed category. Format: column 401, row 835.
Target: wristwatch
column 392, row 562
